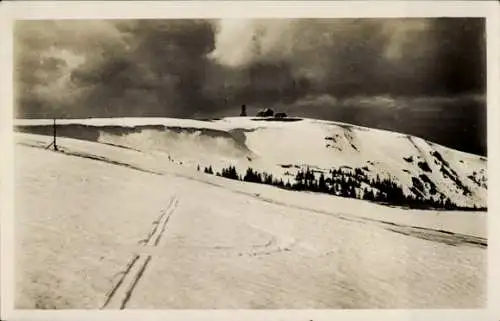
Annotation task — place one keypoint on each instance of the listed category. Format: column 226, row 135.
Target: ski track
column 121, row 292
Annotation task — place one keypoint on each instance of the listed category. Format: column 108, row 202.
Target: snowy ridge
column 421, row 167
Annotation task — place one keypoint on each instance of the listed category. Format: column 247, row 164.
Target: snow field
column 226, row 245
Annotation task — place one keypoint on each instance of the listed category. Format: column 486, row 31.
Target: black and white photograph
column 250, row 163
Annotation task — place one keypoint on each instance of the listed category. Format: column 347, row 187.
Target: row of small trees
column 344, row 184
column 250, row 176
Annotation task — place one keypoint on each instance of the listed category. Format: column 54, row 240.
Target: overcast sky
column 333, row 69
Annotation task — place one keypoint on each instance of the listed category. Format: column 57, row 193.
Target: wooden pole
column 54, row 142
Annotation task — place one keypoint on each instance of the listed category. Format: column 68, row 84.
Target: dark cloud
column 409, row 57
column 138, row 68
column 158, row 71
column 189, row 68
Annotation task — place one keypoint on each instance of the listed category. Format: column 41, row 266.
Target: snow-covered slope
column 422, row 168
column 102, row 226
